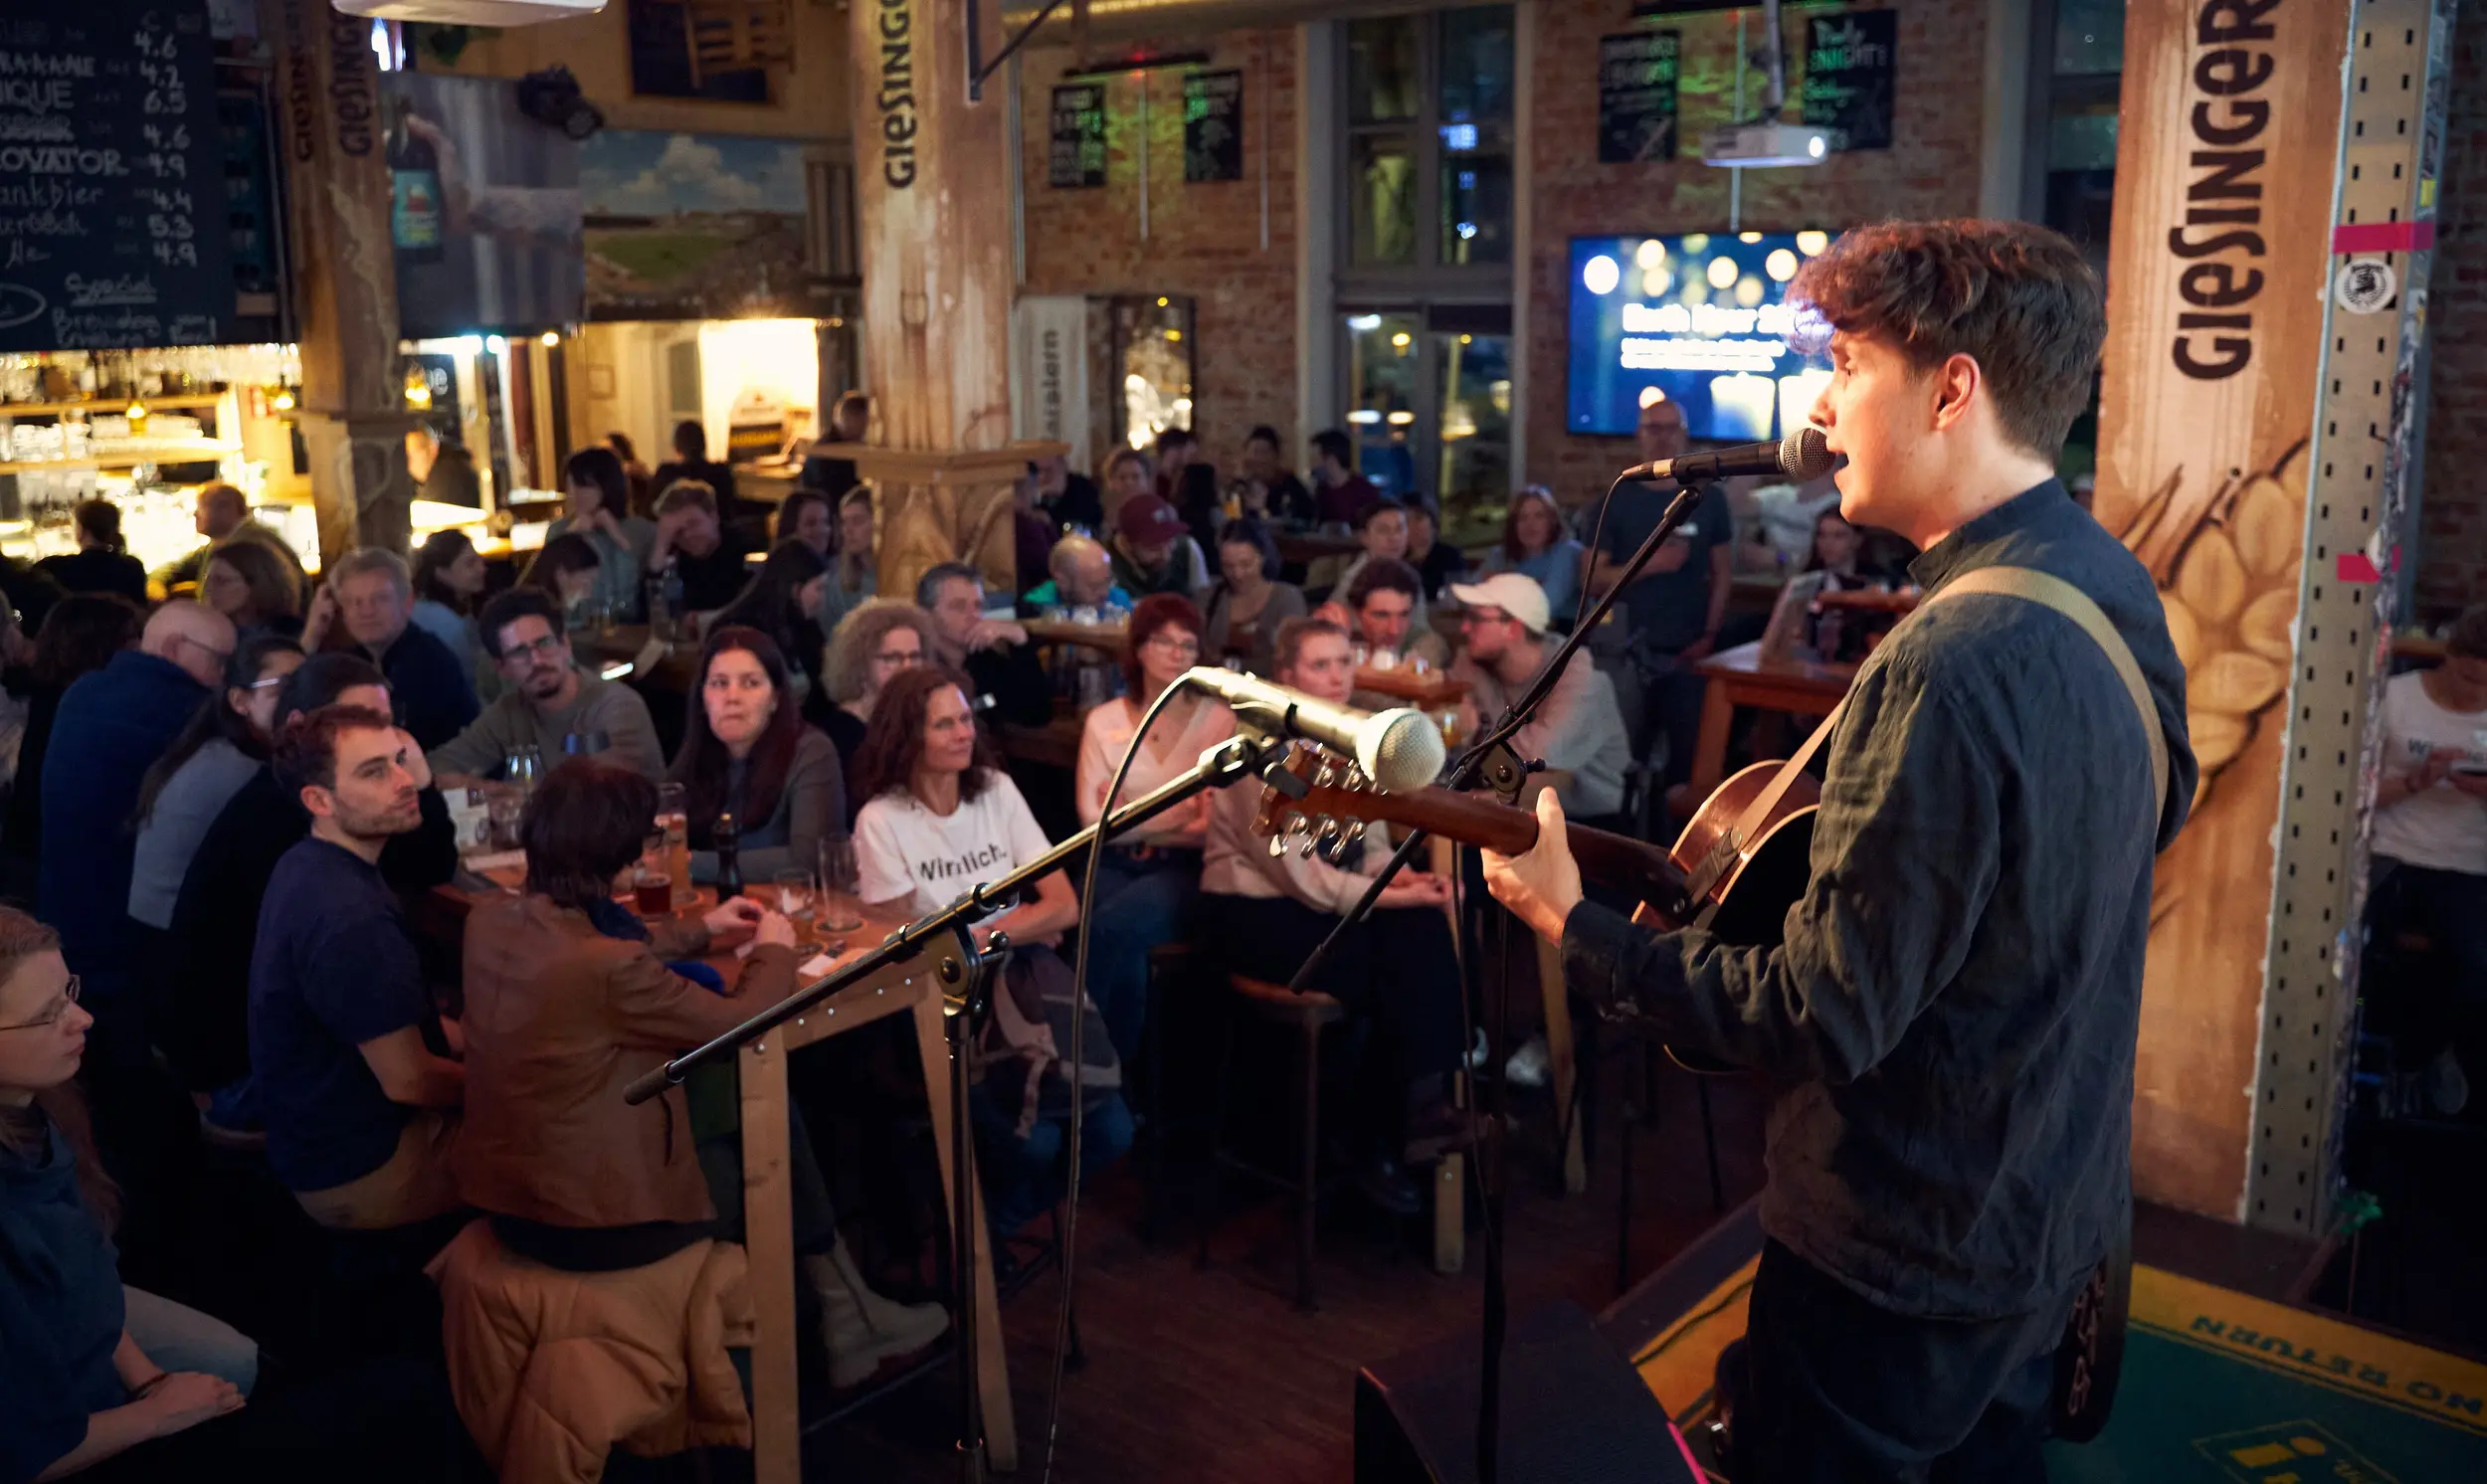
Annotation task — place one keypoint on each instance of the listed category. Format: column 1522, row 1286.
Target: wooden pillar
column 933, row 206
column 2225, row 173
column 353, row 414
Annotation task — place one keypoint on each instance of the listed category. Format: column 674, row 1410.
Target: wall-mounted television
column 1701, row 319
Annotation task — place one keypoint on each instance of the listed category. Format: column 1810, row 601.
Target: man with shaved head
column 221, row 515
column 1084, row 577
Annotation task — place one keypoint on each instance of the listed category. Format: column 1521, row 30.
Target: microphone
column 1803, row 455
column 1400, row 749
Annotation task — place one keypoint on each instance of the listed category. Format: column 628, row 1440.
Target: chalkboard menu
column 1636, row 95
column 1078, row 155
column 1213, row 126
column 113, row 228
column 1847, row 75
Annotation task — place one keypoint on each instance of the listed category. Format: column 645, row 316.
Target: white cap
column 1515, row 593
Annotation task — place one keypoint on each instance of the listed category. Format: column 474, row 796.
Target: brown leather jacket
column 559, row 1019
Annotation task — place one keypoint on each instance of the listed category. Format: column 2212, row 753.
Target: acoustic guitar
column 1727, row 874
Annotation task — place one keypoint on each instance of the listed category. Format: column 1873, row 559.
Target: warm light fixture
column 138, row 412
column 1400, row 339
column 283, row 402
column 496, row 344
column 550, row 338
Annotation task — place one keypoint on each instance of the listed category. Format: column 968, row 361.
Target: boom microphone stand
column 967, row 975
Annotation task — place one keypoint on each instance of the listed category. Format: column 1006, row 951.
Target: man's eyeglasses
column 69, row 997
column 547, row 646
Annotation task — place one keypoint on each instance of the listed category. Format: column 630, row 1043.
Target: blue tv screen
column 1699, row 319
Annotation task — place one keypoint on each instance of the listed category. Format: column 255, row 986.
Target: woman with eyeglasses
column 1150, row 875
column 208, row 762
column 882, row 640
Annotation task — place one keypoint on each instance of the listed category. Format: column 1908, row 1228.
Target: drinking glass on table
column 792, row 887
column 839, row 908
column 524, row 767
column 673, row 823
column 504, row 812
column 653, row 881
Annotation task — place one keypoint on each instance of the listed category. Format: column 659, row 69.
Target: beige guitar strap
column 2031, row 586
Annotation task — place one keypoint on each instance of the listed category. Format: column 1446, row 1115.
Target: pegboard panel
column 2365, row 417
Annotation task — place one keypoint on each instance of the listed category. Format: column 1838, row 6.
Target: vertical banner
column 2219, row 258
column 1049, row 376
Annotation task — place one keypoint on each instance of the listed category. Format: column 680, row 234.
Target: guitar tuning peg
column 1331, row 830
column 1354, row 834
column 1277, row 846
column 1296, row 824
column 1356, row 779
column 1303, row 845
column 1328, row 777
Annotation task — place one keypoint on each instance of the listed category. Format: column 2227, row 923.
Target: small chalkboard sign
column 1078, row 161
column 113, row 223
column 1636, row 95
column 1213, row 126
column 1849, row 74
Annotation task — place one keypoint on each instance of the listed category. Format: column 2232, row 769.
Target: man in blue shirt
column 114, row 724
column 361, row 1107
column 371, row 595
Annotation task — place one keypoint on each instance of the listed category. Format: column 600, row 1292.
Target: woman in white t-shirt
column 2430, row 838
column 1150, row 874
column 939, row 819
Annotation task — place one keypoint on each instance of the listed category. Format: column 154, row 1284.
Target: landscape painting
column 696, row 227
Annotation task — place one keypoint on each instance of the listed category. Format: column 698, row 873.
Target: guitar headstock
column 1338, row 802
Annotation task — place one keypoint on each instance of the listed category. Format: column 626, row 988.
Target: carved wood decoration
column 2219, row 258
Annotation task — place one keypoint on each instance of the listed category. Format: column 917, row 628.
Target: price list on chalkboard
column 112, row 226
column 1077, row 159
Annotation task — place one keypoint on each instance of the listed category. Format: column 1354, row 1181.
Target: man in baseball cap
column 1154, row 552
column 1580, row 728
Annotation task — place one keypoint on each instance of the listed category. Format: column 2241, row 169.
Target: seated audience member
column 547, row 702
column 1578, row 730
column 347, row 1050
column 599, row 514
column 876, row 641
column 99, row 1380
column 747, row 753
column 1153, row 551
column 253, row 588
column 690, row 464
column 1188, row 482
column 705, row 554
column 808, row 515
column 112, row 726
column 81, row 635
column 227, row 741
column 994, row 653
column 1382, row 610
column 1249, row 603
column 939, row 817
column 214, row 922
column 101, row 563
column 569, row 1000
column 784, row 603
column 370, row 596
column 1271, row 492
column 1340, row 494
column 1382, row 532
column 1126, row 478
column 1395, row 970
column 1146, row 882
column 568, row 571
column 1084, row 577
column 221, row 515
column 1068, row 500
column 448, row 583
column 442, row 468
column 853, row 576
column 1534, row 545
column 1839, row 553
column 1436, row 560
column 826, row 467
column 2430, row 859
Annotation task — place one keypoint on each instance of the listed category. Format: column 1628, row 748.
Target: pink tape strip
column 2383, row 237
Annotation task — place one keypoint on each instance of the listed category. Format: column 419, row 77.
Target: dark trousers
column 2427, row 1011
column 1840, row 1392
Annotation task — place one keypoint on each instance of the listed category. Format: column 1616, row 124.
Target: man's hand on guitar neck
column 1542, row 885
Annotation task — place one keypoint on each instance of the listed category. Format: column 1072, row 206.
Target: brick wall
column 2453, row 546
column 1203, row 238
column 1930, row 170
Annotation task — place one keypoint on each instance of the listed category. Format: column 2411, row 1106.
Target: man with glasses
column 994, row 653
column 547, row 702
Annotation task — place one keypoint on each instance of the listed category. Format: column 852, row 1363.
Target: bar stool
column 1307, row 1015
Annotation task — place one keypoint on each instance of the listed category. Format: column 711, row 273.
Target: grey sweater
column 513, row 722
column 810, row 808
column 192, row 798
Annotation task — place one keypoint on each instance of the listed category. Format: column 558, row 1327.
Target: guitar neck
column 1474, row 820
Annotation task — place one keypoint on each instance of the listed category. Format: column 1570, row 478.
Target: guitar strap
column 2030, row 586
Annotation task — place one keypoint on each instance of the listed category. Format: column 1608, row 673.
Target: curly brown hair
column 894, row 743
column 2014, row 297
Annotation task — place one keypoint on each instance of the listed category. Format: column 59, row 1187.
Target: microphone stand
column 1491, row 759
column 1257, row 747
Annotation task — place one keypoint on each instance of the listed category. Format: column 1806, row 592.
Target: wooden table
column 1430, row 691
column 1739, row 677
column 911, row 989
column 1113, row 639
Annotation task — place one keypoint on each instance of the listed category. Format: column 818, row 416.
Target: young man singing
column 1952, row 1015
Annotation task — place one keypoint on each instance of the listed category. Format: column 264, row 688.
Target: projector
column 1757, row 146
column 471, row 12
